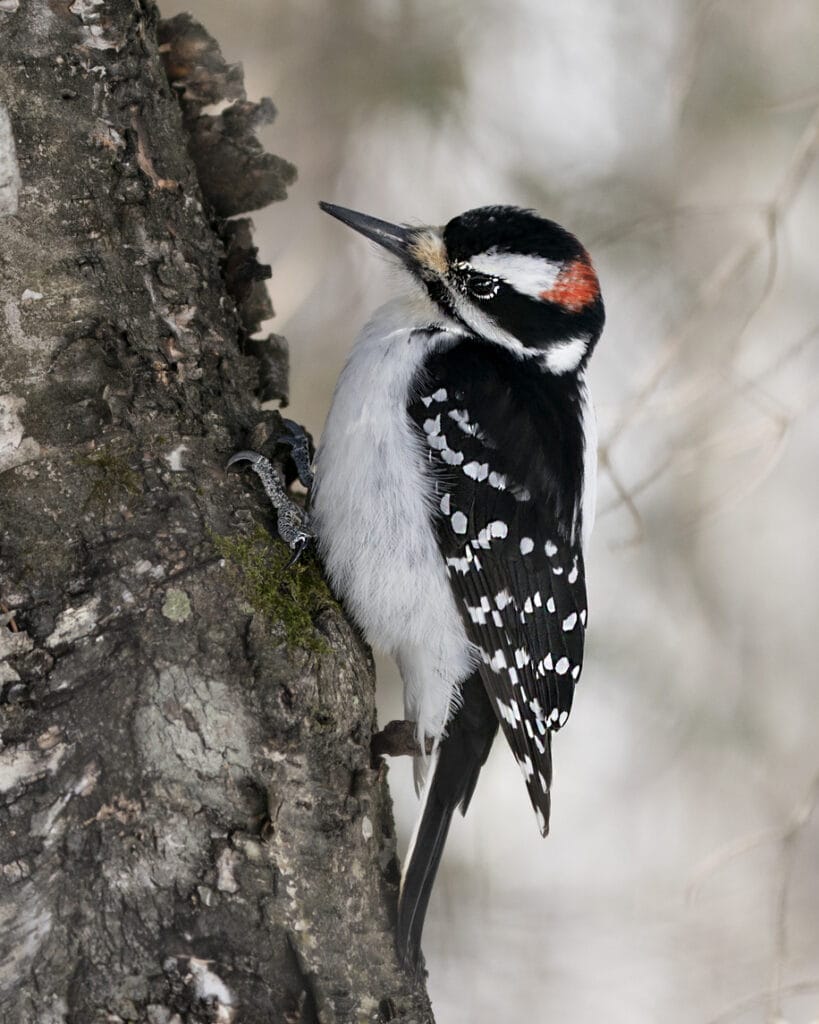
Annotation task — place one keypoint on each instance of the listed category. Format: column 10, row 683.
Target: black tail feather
column 454, row 775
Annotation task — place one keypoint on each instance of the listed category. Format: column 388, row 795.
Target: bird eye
column 483, row 287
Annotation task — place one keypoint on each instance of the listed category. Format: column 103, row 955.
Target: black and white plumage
column 453, row 494
column 506, row 447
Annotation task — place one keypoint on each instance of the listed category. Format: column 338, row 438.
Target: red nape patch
column 576, row 286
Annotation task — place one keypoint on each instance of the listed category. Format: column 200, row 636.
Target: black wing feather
column 506, row 443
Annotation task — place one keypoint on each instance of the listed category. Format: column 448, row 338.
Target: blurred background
column 679, row 140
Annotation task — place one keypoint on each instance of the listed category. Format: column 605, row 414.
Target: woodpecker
column 452, row 496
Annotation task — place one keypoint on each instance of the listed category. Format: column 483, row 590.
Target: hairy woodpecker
column 453, row 494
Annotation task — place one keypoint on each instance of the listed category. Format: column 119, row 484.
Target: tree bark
column 191, row 826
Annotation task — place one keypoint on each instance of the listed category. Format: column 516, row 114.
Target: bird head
column 508, row 275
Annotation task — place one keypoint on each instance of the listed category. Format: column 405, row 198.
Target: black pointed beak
column 392, row 237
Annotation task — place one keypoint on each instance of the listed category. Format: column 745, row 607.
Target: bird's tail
column 451, row 781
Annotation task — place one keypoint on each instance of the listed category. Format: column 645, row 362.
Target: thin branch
column 800, row 818
column 760, row 998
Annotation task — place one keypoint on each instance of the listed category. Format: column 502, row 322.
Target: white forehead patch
column 529, row 275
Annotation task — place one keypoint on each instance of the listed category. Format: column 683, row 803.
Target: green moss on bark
column 289, row 597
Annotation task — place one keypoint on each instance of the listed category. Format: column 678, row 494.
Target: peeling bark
column 191, row 828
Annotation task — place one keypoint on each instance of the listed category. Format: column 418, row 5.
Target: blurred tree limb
column 191, row 828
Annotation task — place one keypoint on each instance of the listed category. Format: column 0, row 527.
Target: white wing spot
column 550, row 605
column 497, row 480
column 433, row 426
column 551, row 549
column 461, row 417
column 459, row 522
column 526, row 767
column 526, row 545
column 506, row 713
column 497, row 661
column 453, row 458
column 570, row 622
column 562, row 667
column 476, row 470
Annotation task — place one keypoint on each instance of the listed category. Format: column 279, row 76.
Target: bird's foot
column 291, row 519
column 397, row 739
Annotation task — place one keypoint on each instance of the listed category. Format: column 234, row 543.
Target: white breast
column 371, row 507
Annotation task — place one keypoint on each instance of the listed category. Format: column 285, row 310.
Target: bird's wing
column 507, row 486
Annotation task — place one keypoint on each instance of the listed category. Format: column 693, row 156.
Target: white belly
column 371, row 512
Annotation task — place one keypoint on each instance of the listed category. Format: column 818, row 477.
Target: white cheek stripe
column 566, row 355
column 529, row 275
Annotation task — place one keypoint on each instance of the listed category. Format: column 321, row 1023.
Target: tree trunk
column 192, row 827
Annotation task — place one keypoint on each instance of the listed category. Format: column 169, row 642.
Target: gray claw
column 244, row 456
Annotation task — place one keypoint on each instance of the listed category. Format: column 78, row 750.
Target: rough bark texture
column 190, row 825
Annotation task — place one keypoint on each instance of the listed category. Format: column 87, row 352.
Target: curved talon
column 243, row 456
column 298, row 546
